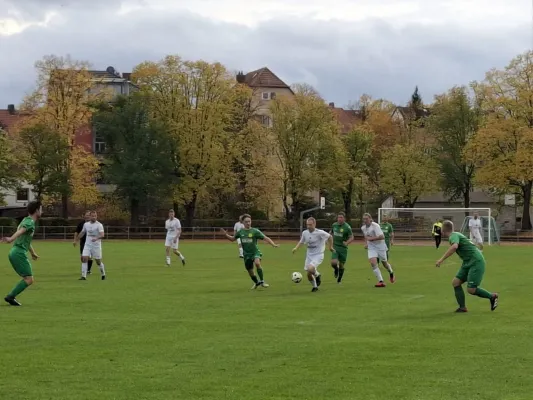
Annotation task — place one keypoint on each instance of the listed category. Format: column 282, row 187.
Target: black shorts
column 82, row 245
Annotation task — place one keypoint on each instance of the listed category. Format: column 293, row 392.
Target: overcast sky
column 342, row 47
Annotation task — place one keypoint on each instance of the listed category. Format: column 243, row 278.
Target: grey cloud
column 38, row 8
column 345, row 59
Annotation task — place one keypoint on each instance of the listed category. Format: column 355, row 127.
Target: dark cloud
column 342, row 59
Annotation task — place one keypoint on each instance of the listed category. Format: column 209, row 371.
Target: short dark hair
column 341, row 214
column 34, row 206
column 244, row 216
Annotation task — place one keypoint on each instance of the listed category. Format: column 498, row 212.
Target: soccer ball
column 296, row 277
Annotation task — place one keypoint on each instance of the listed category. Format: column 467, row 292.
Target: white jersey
column 475, row 226
column 238, row 226
column 93, row 230
column 374, row 230
column 173, row 227
column 315, row 241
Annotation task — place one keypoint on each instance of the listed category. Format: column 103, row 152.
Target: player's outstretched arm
column 14, row 237
column 297, row 247
column 75, row 239
column 449, row 252
column 270, row 242
column 350, row 240
column 228, row 236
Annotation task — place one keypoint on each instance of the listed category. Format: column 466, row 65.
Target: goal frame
column 469, row 210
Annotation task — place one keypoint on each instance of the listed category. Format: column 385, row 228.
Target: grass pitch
column 199, row 332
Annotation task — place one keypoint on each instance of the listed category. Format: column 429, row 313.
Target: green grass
column 151, row 332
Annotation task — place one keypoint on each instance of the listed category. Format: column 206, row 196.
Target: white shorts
column 169, row 242
column 381, row 254
column 476, row 238
column 313, row 260
column 239, row 242
column 92, row 251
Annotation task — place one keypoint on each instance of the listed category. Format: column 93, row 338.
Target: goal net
column 416, row 224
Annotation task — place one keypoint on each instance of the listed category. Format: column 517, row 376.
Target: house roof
column 8, row 120
column 264, row 78
column 110, row 74
column 419, row 112
column 346, row 118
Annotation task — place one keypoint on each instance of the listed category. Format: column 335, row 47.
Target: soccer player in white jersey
column 236, row 228
column 173, row 227
column 93, row 245
column 315, row 239
column 475, row 226
column 377, row 249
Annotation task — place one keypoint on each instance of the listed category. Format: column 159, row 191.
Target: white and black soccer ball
column 296, row 277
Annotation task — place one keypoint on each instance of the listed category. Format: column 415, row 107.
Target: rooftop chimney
column 241, row 77
column 332, row 105
column 11, row 109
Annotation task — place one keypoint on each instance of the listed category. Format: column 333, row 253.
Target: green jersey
column 467, row 251
column 341, row 233
column 249, row 238
column 24, row 241
column 387, row 232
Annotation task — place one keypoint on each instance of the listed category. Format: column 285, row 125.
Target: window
column 99, row 144
column 266, row 121
column 23, row 194
column 268, row 95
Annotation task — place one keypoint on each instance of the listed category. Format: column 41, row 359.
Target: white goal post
column 418, row 222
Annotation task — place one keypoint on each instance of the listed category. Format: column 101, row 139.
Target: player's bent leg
column 311, row 276
column 457, row 284
column 249, row 265
column 373, row 259
column 335, row 264
column 259, row 269
column 475, row 276
column 178, row 253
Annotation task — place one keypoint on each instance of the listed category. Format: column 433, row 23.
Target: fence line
column 213, row 233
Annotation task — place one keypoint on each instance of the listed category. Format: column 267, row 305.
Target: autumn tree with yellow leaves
column 62, row 103
column 194, row 99
column 503, row 148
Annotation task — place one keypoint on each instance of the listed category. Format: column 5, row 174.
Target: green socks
column 460, row 296
column 341, row 274
column 260, row 273
column 18, row 289
column 483, row 293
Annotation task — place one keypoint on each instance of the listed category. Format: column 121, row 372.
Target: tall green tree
column 304, row 133
column 357, row 149
column 138, row 156
column 45, row 153
column 455, row 120
column 408, row 173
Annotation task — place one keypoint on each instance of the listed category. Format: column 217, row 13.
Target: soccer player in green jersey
column 388, row 232
column 342, row 236
column 471, row 271
column 18, row 257
column 251, row 254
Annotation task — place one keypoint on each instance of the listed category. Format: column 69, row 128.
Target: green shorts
column 20, row 262
column 472, row 273
column 249, row 260
column 340, row 253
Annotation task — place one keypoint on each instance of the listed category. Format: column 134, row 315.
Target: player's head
column 311, row 224
column 447, row 228
column 87, row 216
column 241, row 218
column 476, row 215
column 35, row 209
column 171, row 214
column 94, row 216
column 246, row 221
column 341, row 218
column 367, row 219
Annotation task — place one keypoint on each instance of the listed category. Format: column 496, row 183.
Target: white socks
column 168, row 260
column 389, row 268
column 102, row 269
column 84, row 267
column 377, row 272
column 241, row 253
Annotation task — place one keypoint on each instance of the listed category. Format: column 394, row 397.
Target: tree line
column 192, row 137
